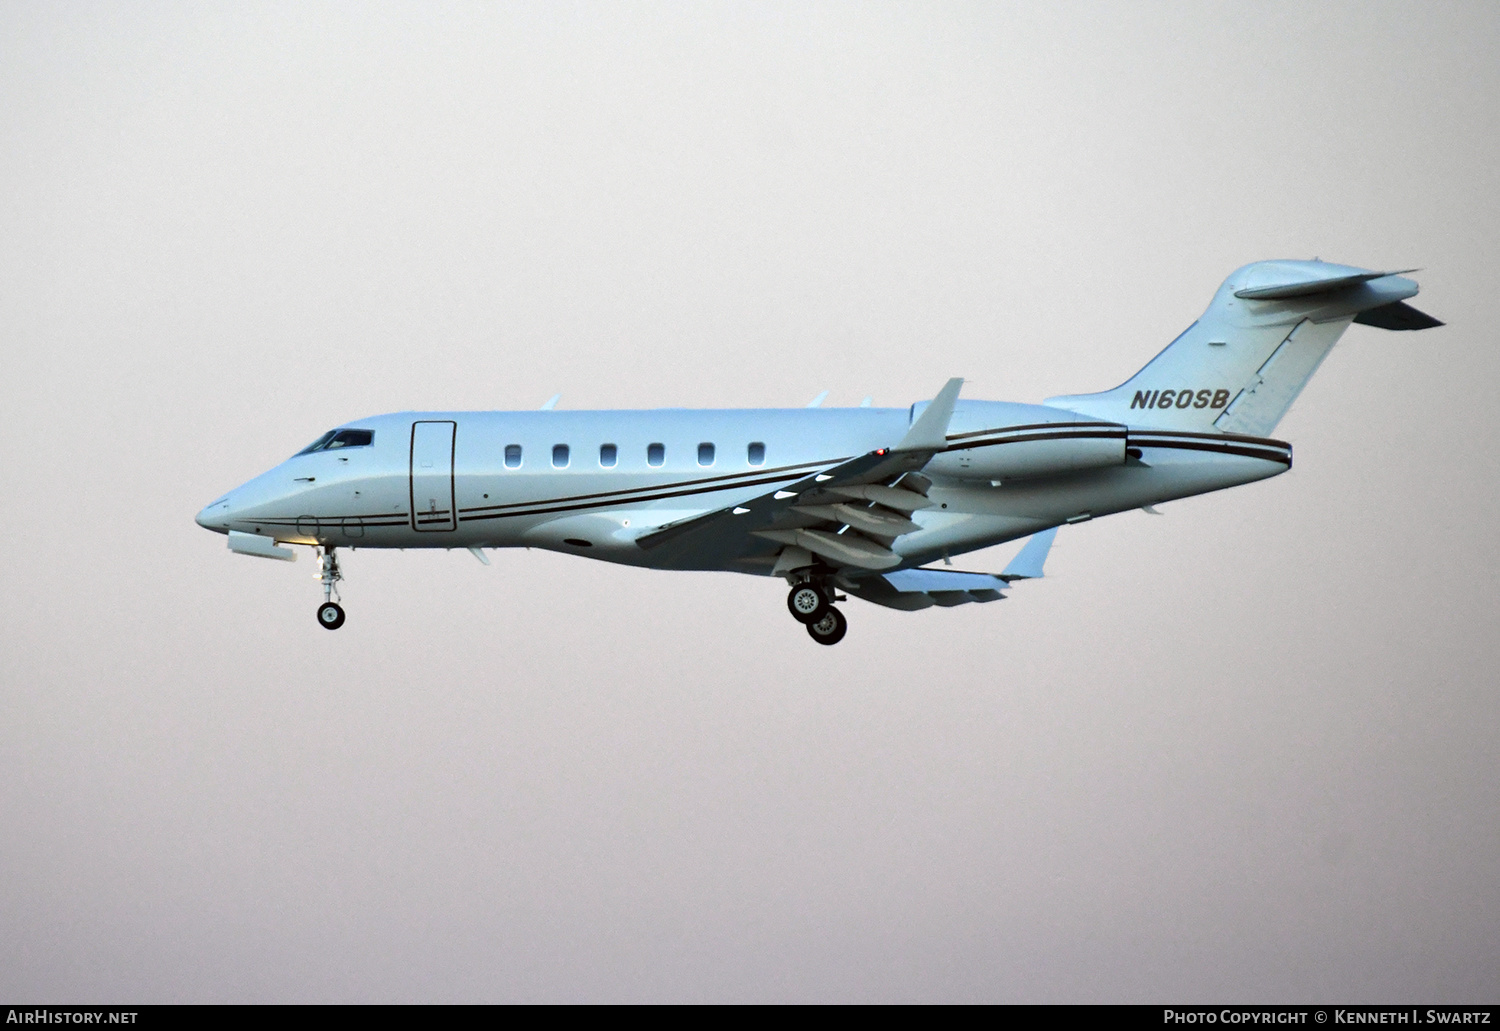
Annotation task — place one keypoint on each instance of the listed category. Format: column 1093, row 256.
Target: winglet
column 930, row 431
column 1027, row 565
column 550, row 403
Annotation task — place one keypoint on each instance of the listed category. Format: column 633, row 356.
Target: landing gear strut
column 330, row 613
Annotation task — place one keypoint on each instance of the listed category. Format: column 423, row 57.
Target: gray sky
column 1247, row 751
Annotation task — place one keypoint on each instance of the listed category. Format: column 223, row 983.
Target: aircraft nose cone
column 215, row 516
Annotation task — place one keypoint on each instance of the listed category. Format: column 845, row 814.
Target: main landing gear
column 830, row 629
column 811, row 604
column 808, row 603
column 330, row 613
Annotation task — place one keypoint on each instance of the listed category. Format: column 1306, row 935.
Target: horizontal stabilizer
column 1397, row 316
column 1027, row 565
column 1305, row 286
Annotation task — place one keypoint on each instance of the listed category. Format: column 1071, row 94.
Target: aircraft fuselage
column 593, row 482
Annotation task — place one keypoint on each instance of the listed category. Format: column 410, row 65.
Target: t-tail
column 1242, row 364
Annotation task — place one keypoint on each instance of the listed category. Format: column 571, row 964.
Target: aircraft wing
column 847, row 515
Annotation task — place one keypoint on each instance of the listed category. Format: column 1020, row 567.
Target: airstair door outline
column 432, row 506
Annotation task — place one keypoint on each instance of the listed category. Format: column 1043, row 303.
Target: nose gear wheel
column 330, row 613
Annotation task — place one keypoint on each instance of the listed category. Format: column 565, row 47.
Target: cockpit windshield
column 335, row 439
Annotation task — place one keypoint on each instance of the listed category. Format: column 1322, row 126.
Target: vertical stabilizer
column 1239, row 367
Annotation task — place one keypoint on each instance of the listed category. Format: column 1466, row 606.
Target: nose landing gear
column 330, row 613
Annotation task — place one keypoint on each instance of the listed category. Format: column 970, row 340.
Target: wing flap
column 845, row 549
column 898, row 498
column 869, row 520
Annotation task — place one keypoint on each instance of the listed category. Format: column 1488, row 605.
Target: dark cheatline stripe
column 1035, row 426
column 1190, row 435
column 1097, row 433
column 748, row 478
column 666, row 490
column 1221, row 447
column 1264, row 448
column 606, row 503
column 332, row 522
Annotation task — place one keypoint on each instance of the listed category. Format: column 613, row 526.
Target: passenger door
column 432, row 506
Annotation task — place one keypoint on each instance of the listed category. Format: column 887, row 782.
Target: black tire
column 807, row 603
column 330, row 615
column 830, row 629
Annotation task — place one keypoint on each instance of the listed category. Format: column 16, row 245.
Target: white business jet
column 857, row 500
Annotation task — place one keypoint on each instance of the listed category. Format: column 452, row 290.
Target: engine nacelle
column 1031, row 452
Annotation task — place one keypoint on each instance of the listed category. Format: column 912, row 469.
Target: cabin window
column 608, row 455
column 513, row 456
column 756, row 453
column 705, row 454
column 656, row 454
column 559, row 456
